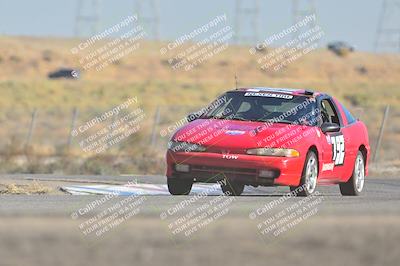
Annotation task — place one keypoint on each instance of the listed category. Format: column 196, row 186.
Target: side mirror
column 330, row 127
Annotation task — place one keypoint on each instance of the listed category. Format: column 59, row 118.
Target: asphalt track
column 380, row 196
column 41, row 230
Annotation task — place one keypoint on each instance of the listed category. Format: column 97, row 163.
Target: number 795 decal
column 338, row 151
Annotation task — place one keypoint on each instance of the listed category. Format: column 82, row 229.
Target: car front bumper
column 212, row 167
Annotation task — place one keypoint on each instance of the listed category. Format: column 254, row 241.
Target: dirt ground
column 368, row 240
column 41, row 229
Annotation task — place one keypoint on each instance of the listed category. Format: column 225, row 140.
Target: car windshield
column 264, row 106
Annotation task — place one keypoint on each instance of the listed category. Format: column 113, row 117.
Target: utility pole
column 382, row 128
column 87, row 17
column 72, row 128
column 247, row 21
column 156, row 121
column 388, row 30
column 31, row 128
column 236, row 81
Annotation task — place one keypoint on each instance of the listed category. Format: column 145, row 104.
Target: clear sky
column 354, row 21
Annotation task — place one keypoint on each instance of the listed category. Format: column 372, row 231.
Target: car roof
column 290, row 91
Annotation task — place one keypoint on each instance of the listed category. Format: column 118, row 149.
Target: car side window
column 328, row 112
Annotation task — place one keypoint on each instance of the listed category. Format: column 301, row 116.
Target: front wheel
column 309, row 176
column 231, row 188
column 355, row 185
column 178, row 186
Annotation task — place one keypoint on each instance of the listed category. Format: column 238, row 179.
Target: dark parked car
column 68, row 73
column 340, row 48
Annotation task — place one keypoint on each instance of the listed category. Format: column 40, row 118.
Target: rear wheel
column 178, row 186
column 231, row 188
column 309, row 176
column 355, row 185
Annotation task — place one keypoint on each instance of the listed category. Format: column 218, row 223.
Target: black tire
column 231, row 188
column 303, row 189
column 352, row 187
column 178, row 186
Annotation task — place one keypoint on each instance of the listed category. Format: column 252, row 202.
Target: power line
column 300, row 10
column 148, row 16
column 388, row 31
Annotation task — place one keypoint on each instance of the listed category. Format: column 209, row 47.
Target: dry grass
column 26, row 189
column 360, row 240
column 145, row 73
column 385, row 169
column 365, row 82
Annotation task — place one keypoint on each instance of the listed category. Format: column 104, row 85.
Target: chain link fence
column 48, row 133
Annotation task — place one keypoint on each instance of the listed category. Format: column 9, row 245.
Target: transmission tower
column 148, row 17
column 247, row 21
column 87, row 18
column 388, row 32
column 300, row 10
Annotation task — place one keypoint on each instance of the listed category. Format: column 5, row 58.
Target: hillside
column 365, row 82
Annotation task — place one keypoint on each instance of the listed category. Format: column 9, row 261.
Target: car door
column 352, row 141
column 333, row 144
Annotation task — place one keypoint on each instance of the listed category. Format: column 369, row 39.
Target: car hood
column 238, row 135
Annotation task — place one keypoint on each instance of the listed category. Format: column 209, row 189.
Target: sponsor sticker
column 328, row 139
column 285, row 90
column 318, row 133
column 234, row 132
column 270, row 95
column 230, row 156
column 327, row 167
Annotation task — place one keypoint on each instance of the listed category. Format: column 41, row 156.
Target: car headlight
column 176, row 146
column 278, row 152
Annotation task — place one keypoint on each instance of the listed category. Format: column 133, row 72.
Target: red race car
column 270, row 137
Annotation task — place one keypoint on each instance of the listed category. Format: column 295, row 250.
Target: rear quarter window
column 350, row 118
